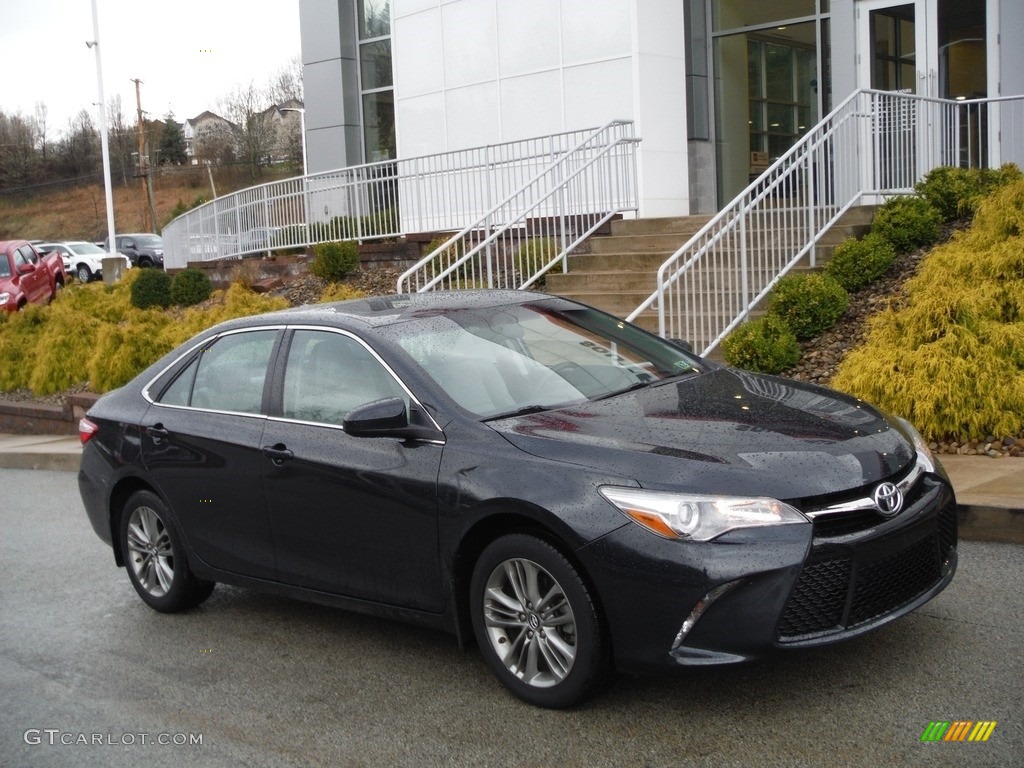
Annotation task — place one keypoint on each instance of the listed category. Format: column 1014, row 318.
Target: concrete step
column 621, row 260
column 677, row 225
column 602, row 281
column 637, row 243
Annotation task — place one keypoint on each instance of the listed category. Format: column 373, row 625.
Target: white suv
column 81, row 259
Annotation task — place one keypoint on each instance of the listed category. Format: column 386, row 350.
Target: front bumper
column 790, row 586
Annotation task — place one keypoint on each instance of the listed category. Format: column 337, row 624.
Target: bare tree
column 42, row 113
column 251, row 112
column 18, row 156
column 286, row 85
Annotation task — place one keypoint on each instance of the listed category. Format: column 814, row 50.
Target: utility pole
column 147, row 182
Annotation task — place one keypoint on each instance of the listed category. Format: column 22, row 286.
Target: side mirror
column 24, row 269
column 387, row 418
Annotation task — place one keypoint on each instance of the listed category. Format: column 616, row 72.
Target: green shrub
column 190, row 287
column 335, row 260
column 951, row 191
column 766, row 345
column 908, row 222
column 533, row 254
column 808, row 304
column 152, row 288
column 856, row 263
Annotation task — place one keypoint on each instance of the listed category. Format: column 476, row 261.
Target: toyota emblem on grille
column 888, row 499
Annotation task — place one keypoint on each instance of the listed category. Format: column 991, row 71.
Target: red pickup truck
column 26, row 275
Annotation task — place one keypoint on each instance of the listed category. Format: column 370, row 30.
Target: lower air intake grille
column 833, row 595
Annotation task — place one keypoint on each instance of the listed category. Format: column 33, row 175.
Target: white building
column 716, row 88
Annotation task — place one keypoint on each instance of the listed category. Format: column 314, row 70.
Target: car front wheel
column 155, row 559
column 83, row 273
column 537, row 624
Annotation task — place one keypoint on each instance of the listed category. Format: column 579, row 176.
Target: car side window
column 329, row 374
column 228, row 375
column 29, row 254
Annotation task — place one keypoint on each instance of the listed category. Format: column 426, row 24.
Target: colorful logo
column 958, row 730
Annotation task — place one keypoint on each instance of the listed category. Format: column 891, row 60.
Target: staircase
column 620, row 271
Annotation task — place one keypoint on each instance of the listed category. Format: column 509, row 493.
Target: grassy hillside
column 79, row 212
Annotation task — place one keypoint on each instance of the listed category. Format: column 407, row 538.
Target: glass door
column 897, row 46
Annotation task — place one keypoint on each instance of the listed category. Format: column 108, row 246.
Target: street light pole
column 95, row 45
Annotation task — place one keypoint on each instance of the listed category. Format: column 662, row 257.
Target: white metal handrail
column 874, row 144
column 432, row 193
column 531, row 230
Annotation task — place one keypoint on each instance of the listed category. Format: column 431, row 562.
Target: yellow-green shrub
column 93, row 334
column 766, row 345
column 952, row 358
column 340, row 292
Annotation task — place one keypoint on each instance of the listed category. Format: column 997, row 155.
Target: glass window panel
column 885, row 35
column 375, row 64
column 755, row 79
column 731, row 14
column 778, row 145
column 908, row 78
column 379, row 125
column 181, row 388
column 374, row 18
column 804, row 120
column 779, row 69
column 232, row 372
column 756, row 115
column 780, row 118
column 908, row 43
column 329, row 374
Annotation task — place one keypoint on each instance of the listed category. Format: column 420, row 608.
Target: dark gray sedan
column 573, row 493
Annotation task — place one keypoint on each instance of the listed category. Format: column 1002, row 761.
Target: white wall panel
column 531, row 105
column 473, row 116
column 529, row 36
column 407, row 7
column 417, row 58
column 425, row 120
column 596, row 30
column 470, row 51
column 598, row 92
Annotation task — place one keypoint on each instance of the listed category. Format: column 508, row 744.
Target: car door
column 201, row 443
column 350, row 515
column 34, row 283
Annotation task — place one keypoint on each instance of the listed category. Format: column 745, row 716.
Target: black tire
column 544, row 638
column 154, row 557
column 83, row 273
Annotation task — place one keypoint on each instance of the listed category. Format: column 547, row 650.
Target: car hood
column 723, row 431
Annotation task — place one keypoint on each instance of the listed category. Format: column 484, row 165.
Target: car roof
column 378, row 311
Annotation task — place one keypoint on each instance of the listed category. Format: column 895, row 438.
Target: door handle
column 158, row 433
column 277, row 454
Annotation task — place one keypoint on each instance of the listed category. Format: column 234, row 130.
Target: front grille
column 835, row 594
column 819, row 599
column 894, row 581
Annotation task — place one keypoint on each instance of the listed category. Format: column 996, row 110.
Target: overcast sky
column 188, row 53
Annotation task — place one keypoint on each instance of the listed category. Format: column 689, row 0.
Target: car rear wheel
column 537, row 624
column 155, row 559
column 83, row 273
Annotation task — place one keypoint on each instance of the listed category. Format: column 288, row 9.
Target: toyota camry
column 566, row 490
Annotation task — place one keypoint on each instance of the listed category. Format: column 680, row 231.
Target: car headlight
column 5, row 297
column 697, row 517
column 925, row 457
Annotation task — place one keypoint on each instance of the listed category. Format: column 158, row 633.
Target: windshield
column 522, row 357
column 149, row 241
column 86, row 249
